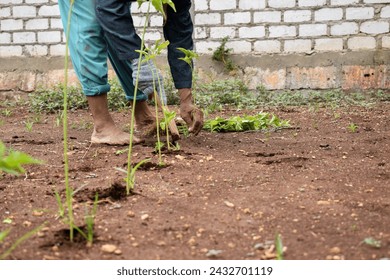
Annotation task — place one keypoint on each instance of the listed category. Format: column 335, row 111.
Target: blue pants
column 89, row 50
column 115, row 18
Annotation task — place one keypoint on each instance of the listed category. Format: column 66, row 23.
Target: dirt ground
column 324, row 188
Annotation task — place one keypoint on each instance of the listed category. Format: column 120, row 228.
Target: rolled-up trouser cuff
column 97, row 90
column 183, row 84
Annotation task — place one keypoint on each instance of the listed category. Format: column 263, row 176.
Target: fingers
column 197, row 121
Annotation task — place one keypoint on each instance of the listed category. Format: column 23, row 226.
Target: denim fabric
column 89, row 49
column 115, row 18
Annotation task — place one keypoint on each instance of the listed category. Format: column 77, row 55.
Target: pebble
column 335, row 250
column 213, row 253
column 131, row 214
column 323, row 202
column 145, row 217
column 27, row 223
column 108, row 248
column 37, row 213
column 192, row 241
column 229, row 204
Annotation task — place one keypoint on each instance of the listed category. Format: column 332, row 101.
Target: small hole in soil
column 116, row 191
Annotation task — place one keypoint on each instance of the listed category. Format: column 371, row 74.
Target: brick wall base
column 349, row 71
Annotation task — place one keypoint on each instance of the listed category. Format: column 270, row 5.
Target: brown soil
column 323, row 188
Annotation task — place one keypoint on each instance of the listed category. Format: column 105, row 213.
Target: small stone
column 335, row 250
column 41, row 234
column 179, row 157
column 37, row 213
column 55, row 248
column 27, row 223
column 108, row 248
column 135, row 244
column 246, row 211
column 161, row 243
column 192, row 241
column 213, row 253
column 229, row 204
column 131, row 214
column 118, row 252
column 323, row 202
column 145, row 217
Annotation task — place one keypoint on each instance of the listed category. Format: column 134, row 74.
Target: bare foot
column 192, row 115
column 112, row 136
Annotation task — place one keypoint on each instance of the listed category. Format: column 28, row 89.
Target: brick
column 359, row 13
column 205, row 47
column 251, row 4
column 282, row 31
column 56, row 23
column 7, row 51
column 51, row 11
column 297, row 46
column 24, row 12
column 218, row 5
column 267, row 17
column 374, row 27
column 346, row 28
column 35, row 50
column 139, row 21
column 312, row 30
column 376, row 1
column 365, row 77
column 281, row 3
column 268, row 46
column 362, row 43
column 270, row 79
column 5, row 12
column 312, row 78
column 343, row 2
column 37, row 24
column 152, row 36
column 5, row 2
column 386, row 42
column 201, row 5
column 221, row 32
column 49, row 37
column 311, row 3
column 207, row 19
column 297, row 16
column 23, row 37
column 11, row 24
column 239, row 46
column 57, row 50
column 328, row 44
column 251, row 32
column 156, row 20
column 36, row 1
column 328, row 14
column 237, row 18
column 385, row 12
column 200, row 32
column 5, row 38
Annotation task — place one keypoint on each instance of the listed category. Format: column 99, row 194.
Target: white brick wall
column 34, row 28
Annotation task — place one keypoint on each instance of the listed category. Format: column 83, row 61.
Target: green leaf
column 3, row 234
column 372, row 242
column 7, row 221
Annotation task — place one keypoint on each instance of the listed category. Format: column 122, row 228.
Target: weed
column 222, row 54
column 260, row 121
column 370, row 241
column 279, row 247
column 29, row 125
column 352, row 127
column 6, row 112
column 12, row 161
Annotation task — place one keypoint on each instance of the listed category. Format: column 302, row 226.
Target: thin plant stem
column 65, row 131
column 20, row 240
column 130, row 186
column 157, row 123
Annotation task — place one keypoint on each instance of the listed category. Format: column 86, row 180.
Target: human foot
column 192, row 115
column 112, row 136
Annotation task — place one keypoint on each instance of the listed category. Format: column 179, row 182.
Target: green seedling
column 189, row 55
column 7, row 221
column 352, row 127
column 6, row 112
column 279, row 247
column 370, row 241
column 13, row 161
column 90, row 220
column 29, row 125
column 61, row 208
column 168, row 117
column 130, row 180
column 119, row 152
column 260, row 121
column 158, row 5
column 23, row 238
